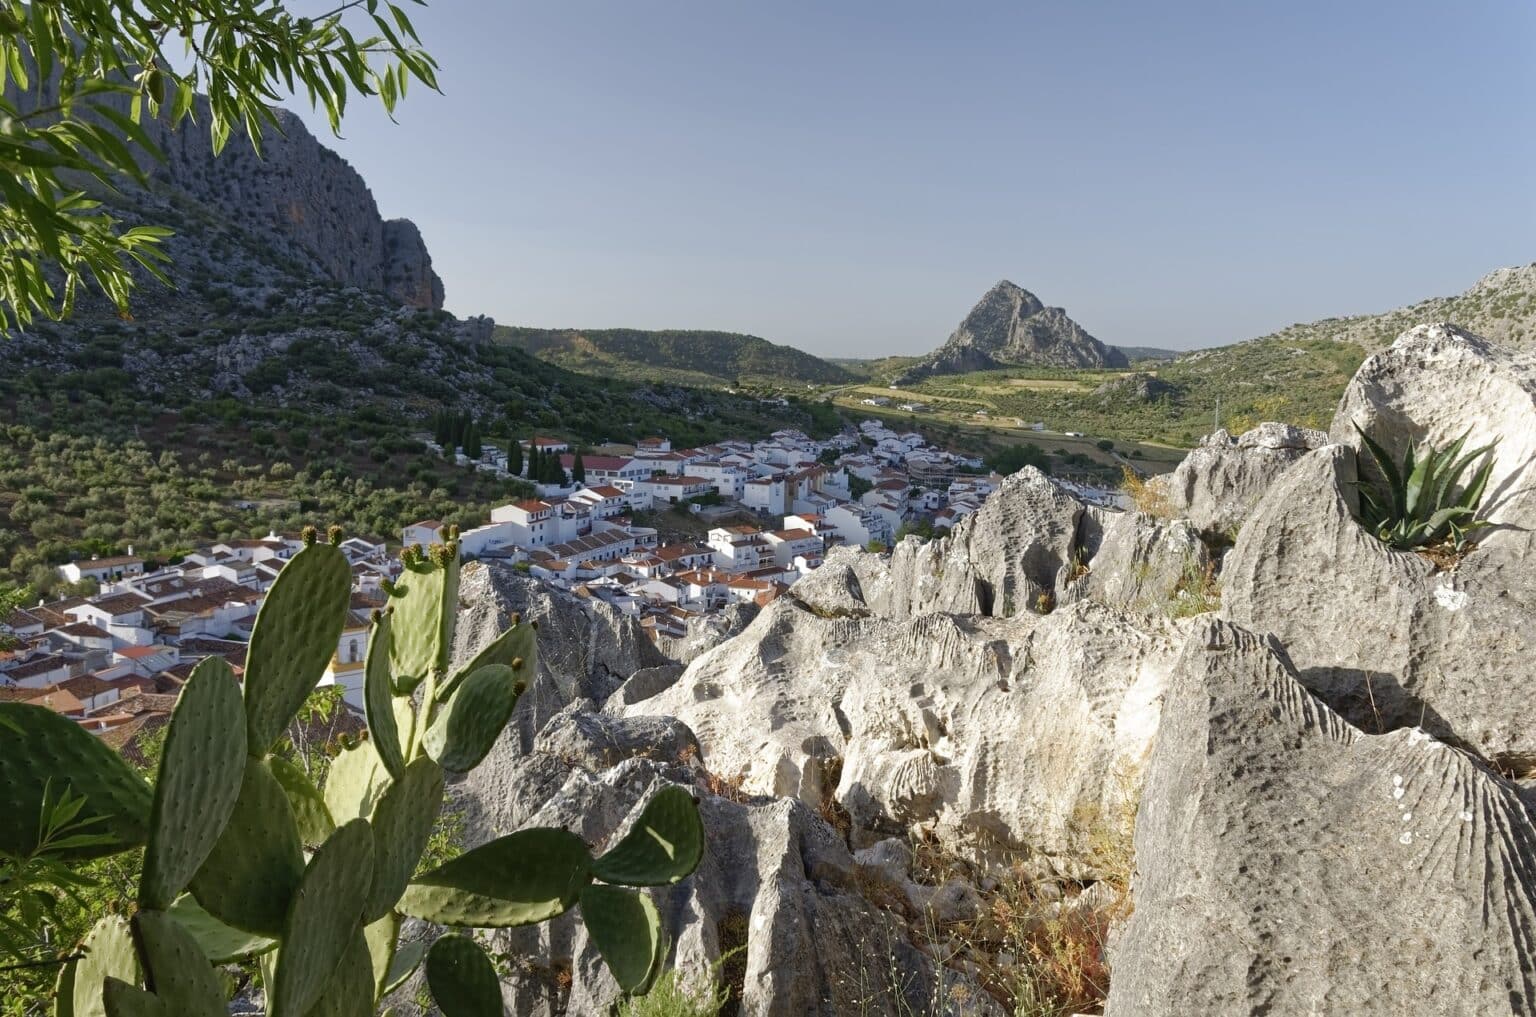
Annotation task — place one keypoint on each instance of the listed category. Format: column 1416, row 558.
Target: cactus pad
column 119, row 999
column 43, row 756
column 468, row 724
column 308, row 804
column 180, row 975
column 323, row 917
column 296, row 633
column 402, row 823
column 520, row 642
column 404, row 963
column 519, row 879
column 350, row 992
column 379, row 699
column 255, row 867
column 201, row 769
column 381, row 937
column 426, row 602
column 356, row 782
column 108, row 952
column 627, row 930
column 462, row 979
column 220, row 943
column 663, row 847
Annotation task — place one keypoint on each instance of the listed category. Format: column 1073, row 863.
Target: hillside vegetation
column 673, row 356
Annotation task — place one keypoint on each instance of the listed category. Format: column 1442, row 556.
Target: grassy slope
column 673, row 356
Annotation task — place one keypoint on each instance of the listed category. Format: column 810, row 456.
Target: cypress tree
column 515, row 458
column 578, row 469
column 472, row 446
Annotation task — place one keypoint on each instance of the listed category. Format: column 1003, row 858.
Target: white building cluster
column 583, row 536
column 115, row 661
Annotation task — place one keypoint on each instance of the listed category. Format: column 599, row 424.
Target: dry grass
column 729, row 788
column 1196, row 592
column 1147, row 497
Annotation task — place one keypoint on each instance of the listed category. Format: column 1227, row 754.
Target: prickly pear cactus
column 312, row 882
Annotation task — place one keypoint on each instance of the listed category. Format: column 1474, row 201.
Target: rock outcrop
column 1010, row 327
column 1289, row 864
column 1220, row 481
column 998, row 736
column 587, row 649
column 776, row 884
column 1390, row 638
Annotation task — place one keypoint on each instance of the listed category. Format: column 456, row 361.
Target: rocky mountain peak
column 1009, row 327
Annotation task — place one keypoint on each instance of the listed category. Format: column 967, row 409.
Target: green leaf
column 402, row 824
column 356, row 782
column 123, row 1000
column 425, row 601
column 220, row 943
column 255, row 867
column 108, row 952
column 296, row 633
column 664, row 846
column 44, row 756
column 519, row 879
column 308, row 804
column 462, row 979
column 404, row 964
column 516, row 647
column 469, row 723
column 201, row 770
column 381, row 937
column 379, row 699
column 179, row 973
column 324, row 915
column 627, row 930
column 349, row 993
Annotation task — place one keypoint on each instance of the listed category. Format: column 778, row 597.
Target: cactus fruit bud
column 517, row 618
column 333, row 534
column 453, row 532
column 517, row 663
column 443, row 533
column 388, row 586
column 308, row 535
column 441, row 553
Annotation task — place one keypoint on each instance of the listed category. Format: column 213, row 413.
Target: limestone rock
column 586, row 648
column 705, row 632
column 599, row 741
column 1384, row 636
column 997, row 735
column 1289, row 864
column 998, row 561
column 1010, row 326
column 1220, row 481
column 774, row 878
column 1139, row 564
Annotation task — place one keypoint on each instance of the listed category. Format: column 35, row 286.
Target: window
column 352, row 651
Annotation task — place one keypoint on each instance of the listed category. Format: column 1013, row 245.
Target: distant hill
column 1142, row 354
column 1011, row 327
column 1501, row 306
column 673, row 356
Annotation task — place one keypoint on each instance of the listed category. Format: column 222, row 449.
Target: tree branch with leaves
column 79, row 77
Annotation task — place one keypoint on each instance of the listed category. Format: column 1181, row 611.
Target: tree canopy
column 79, row 77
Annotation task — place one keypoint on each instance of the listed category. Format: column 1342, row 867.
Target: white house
column 423, row 533
column 531, row 522
column 766, row 495
column 104, row 569
column 786, row 545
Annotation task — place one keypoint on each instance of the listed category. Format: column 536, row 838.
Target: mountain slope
column 1010, row 327
column 674, row 356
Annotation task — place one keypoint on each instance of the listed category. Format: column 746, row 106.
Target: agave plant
column 1420, row 502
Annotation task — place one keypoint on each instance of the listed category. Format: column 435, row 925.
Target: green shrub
column 250, row 858
column 1417, row 503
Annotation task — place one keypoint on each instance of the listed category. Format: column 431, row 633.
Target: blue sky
column 850, row 177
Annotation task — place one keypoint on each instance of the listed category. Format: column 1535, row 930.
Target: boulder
column 1221, row 480
column 995, row 735
column 1288, row 863
column 705, row 632
column 1393, row 638
column 587, row 649
column 1141, row 564
column 775, row 881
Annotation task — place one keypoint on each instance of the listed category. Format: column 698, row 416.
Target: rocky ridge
column 1010, row 327
column 1307, row 800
